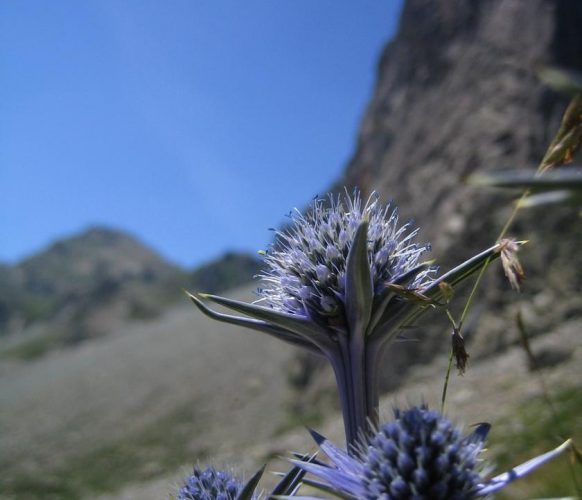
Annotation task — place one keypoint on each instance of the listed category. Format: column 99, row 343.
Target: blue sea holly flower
column 419, row 455
column 214, row 484
column 342, row 282
column 307, row 269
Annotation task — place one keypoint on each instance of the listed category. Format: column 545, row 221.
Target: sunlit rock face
column 456, row 93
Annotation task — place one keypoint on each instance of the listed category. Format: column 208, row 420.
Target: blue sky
column 195, row 124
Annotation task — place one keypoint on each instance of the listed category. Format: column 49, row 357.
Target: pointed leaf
column 338, row 456
column 464, row 270
column 251, row 485
column 378, row 311
column 306, row 329
column 499, row 482
column 253, row 324
column 552, row 198
column 479, row 435
column 564, row 80
column 404, row 313
column 359, row 290
column 290, row 481
column 314, row 459
column 332, row 476
column 563, row 178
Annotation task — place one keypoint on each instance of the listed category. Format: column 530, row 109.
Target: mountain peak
column 95, row 254
column 87, row 284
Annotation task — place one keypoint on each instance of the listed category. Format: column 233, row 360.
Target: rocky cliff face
column 456, row 94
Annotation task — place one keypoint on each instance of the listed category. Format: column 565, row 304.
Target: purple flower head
column 306, row 271
column 210, row 484
column 419, row 455
column 343, row 282
column 213, row 484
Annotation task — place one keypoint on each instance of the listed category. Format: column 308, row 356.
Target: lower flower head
column 420, row 455
column 210, row 484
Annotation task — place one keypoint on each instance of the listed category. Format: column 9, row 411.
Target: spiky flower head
column 210, row 484
column 306, row 270
column 419, row 455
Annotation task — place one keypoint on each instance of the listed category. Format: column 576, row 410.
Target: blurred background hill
column 111, row 383
column 90, row 284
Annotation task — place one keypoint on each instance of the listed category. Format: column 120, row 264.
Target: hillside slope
column 129, row 407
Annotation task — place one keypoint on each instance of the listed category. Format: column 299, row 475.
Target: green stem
column 446, row 384
column 448, row 374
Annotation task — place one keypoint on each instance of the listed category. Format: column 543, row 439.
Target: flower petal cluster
column 210, row 484
column 423, row 454
column 419, row 455
column 307, row 268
